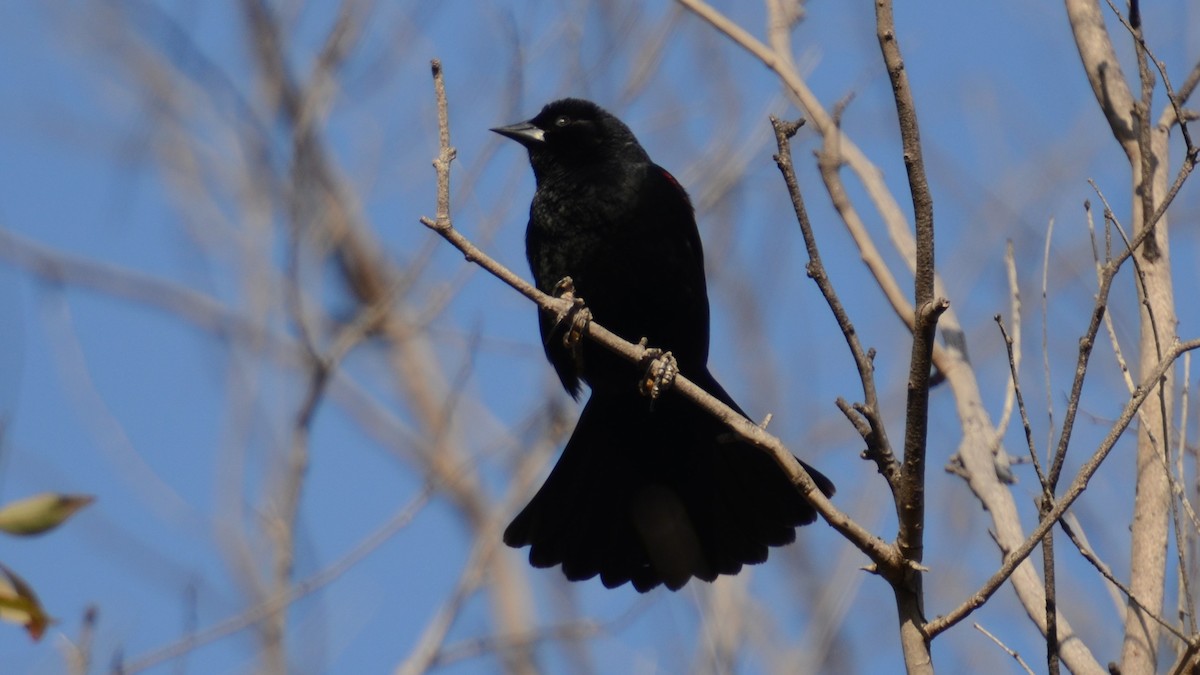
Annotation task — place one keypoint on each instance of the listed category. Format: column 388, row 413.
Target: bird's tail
column 659, row 495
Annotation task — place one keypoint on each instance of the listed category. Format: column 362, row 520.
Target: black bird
column 645, row 492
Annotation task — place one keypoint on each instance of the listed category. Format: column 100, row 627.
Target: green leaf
column 40, row 513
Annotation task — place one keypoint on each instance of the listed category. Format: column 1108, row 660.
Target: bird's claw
column 575, row 319
column 565, row 288
column 661, row 369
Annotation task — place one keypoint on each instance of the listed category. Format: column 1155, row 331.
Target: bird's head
column 570, row 134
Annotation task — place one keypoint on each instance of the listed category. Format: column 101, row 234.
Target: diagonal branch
column 1089, row 468
column 879, row 551
column 873, row 432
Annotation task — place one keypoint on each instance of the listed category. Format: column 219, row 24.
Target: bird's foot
column 661, row 369
column 574, row 320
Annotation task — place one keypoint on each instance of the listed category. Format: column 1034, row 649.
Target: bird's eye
column 562, row 121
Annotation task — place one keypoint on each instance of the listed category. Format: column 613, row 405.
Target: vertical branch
column 1013, row 342
column 446, row 152
column 281, row 521
column 1044, row 506
column 1046, row 337
column 1184, row 536
column 927, row 310
column 510, row 599
column 910, row 538
column 1144, row 189
column 1146, row 149
column 285, row 518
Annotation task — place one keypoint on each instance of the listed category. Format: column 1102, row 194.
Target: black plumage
column 648, row 493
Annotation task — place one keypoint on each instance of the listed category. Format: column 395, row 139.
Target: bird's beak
column 524, row 133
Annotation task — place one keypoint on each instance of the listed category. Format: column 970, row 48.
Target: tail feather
column 658, row 496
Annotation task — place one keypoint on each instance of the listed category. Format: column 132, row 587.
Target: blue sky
column 112, row 395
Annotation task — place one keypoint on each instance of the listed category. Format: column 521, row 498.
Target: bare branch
column 874, row 433
column 1016, row 389
column 910, row 538
column 1069, row 525
column 1089, row 468
column 274, row 604
column 1017, row 657
column 874, row 547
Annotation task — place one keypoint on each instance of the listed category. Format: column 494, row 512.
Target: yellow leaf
column 39, row 513
column 19, row 604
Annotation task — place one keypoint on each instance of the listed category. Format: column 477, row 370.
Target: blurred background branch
column 304, row 418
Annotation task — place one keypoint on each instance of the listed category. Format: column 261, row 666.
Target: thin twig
column 472, row 648
column 1020, row 661
column 829, row 161
column 1014, row 300
column 1119, row 599
column 1144, row 53
column 422, row 657
column 1016, row 388
column 1076, row 488
column 271, row 605
column 1046, row 340
column 778, row 60
column 446, row 153
column 1185, row 537
column 874, row 547
column 78, row 653
column 1106, row 572
column 1175, row 486
column 1086, row 344
column 879, row 448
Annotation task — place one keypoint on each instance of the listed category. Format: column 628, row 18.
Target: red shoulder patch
column 682, row 193
column 671, row 178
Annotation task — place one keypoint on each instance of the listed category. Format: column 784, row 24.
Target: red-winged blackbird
column 647, row 492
